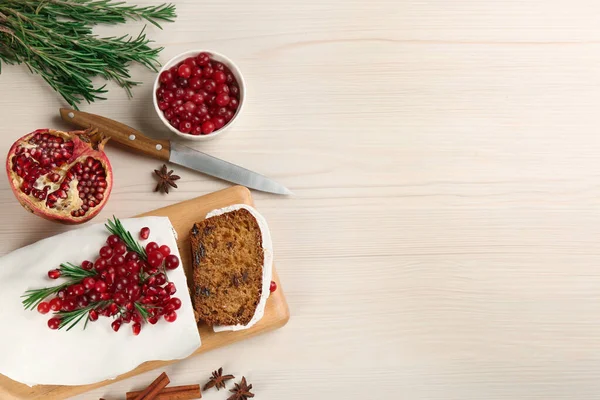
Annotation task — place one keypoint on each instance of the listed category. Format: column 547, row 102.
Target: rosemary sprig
column 54, row 39
column 72, row 318
column 33, row 297
column 116, row 228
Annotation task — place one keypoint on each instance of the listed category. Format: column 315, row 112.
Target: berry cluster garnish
column 127, row 282
column 199, row 95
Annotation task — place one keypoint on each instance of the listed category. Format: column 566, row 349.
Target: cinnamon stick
column 155, row 387
column 185, row 392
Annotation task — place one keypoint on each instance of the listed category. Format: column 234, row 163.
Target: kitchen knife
column 176, row 153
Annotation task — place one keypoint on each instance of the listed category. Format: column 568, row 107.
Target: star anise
column 165, row 179
column 217, row 380
column 241, row 391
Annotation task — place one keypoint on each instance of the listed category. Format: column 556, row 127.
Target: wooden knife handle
column 119, row 133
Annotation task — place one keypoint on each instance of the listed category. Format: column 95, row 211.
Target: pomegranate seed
column 171, row 317
column 184, row 71
column 153, row 320
column 87, row 265
column 93, row 315
column 93, row 296
column 171, row 262
column 100, row 286
column 83, row 302
column 116, row 325
column 105, row 252
column 43, row 307
column 273, row 286
column 54, row 274
column 150, row 247
column 170, row 288
column 61, row 294
column 136, row 328
column 113, row 240
column 54, row 323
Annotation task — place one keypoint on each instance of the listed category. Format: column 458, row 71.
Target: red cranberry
column 100, row 264
column 87, row 265
column 170, row 288
column 196, row 71
column 229, row 115
column 106, row 252
column 230, row 78
column 210, row 85
column 43, row 307
column 93, row 296
column 165, row 250
column 184, row 71
column 273, row 287
column 221, row 111
column 208, row 127
column 155, row 258
column 54, row 323
column 222, row 99
column 179, row 93
column 195, row 83
column 196, row 130
column 191, row 61
column 185, row 127
column 100, row 286
column 171, row 261
column 169, row 114
column 175, row 122
column 222, row 88
column 202, row 110
column 219, row 122
column 163, row 105
column 189, row 93
column 203, row 58
column 175, row 303
column 144, row 234
column 166, row 77
column 69, row 304
column 219, row 76
column 207, row 72
column 233, row 103
column 182, row 82
column 234, row 90
column 89, row 283
column 151, row 246
column 198, row 98
column 82, row 302
column 159, row 92
column 196, row 120
column 189, row 106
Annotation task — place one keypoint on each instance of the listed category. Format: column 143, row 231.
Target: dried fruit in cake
column 232, row 263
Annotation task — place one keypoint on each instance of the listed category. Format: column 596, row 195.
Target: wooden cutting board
column 182, row 216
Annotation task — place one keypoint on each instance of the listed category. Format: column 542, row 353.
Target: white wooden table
column 444, row 241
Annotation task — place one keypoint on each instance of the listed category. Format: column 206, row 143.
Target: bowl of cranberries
column 199, row 94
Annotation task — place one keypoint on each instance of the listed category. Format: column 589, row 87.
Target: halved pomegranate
column 60, row 176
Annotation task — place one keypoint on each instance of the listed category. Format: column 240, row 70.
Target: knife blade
column 176, row 153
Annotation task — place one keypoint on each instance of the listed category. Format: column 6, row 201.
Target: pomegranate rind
column 82, row 149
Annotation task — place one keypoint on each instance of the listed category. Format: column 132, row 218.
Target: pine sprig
column 54, row 39
column 116, row 228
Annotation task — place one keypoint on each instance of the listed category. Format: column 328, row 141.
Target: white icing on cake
column 267, row 268
column 33, row 354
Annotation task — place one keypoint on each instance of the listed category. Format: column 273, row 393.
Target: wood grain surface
column 443, row 241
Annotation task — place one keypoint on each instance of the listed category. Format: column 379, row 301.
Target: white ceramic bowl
column 217, row 57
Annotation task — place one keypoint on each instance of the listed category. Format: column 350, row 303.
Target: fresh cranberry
column 273, row 287
column 229, row 115
column 219, row 76
column 230, row 78
column 171, row 261
column 144, row 233
column 191, row 61
column 175, row 122
column 117, row 260
column 182, row 82
column 221, row 111
column 120, row 248
column 233, row 103
column 54, row 323
column 155, row 258
column 190, row 106
column 43, row 307
column 196, row 120
column 163, row 105
column 106, row 252
column 122, row 283
column 93, row 315
column 179, row 93
column 120, row 298
column 219, row 122
column 222, row 88
column 169, row 114
column 175, row 303
column 189, row 93
column 222, row 99
column 82, row 302
column 185, row 126
column 198, row 98
column 151, row 246
column 100, row 286
column 87, row 265
column 208, row 71
column 69, row 304
column 208, row 127
column 89, row 283
column 166, row 77
column 116, row 325
column 196, row 130
column 78, row 289
column 56, row 304
column 202, row 110
column 133, row 291
column 54, row 274
column 93, row 296
column 171, row 317
column 203, row 59
column 210, row 85
column 184, row 71
column 195, row 83
column 234, row 90
column 105, row 296
column 168, row 96
column 196, row 71
column 100, row 264
column 166, row 250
